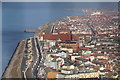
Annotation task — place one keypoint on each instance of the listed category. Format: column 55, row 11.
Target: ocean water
column 18, row 16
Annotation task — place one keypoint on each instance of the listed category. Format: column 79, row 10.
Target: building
column 75, row 37
column 64, row 31
column 52, row 75
column 63, row 37
column 74, row 56
column 67, row 48
column 79, row 75
column 51, row 64
column 73, row 44
column 62, row 54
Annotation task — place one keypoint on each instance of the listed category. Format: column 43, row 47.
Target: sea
column 19, row 16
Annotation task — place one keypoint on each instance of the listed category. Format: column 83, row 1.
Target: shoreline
column 12, row 62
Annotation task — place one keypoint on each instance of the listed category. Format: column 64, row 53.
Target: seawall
column 13, row 68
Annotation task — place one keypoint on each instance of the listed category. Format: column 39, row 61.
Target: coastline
column 12, row 62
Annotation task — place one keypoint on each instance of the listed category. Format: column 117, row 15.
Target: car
column 103, row 76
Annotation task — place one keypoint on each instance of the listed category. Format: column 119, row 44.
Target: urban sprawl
column 74, row 47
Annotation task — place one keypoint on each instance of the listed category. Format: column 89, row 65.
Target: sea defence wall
column 13, row 69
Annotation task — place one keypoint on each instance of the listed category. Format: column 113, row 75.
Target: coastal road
column 25, row 66
column 34, row 59
column 93, row 31
column 36, row 68
column 30, row 52
column 52, row 29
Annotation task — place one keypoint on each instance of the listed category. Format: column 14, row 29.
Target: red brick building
column 75, row 37
column 67, row 40
column 63, row 37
